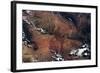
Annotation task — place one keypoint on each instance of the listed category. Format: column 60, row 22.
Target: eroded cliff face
column 50, row 35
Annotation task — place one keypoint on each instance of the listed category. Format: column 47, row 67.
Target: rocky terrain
column 55, row 36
